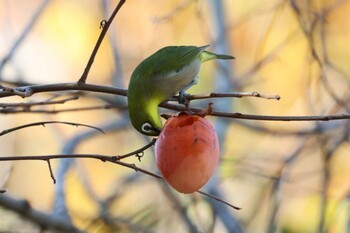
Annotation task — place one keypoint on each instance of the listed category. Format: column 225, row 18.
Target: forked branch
column 105, row 158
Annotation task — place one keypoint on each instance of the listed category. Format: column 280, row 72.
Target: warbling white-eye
column 168, row 71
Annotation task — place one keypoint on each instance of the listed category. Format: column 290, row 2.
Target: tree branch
column 138, row 152
column 104, row 158
column 30, row 90
column 30, row 104
column 44, row 220
column 27, row 91
column 43, row 123
column 238, row 115
column 55, row 111
column 104, row 25
column 218, row 199
column 50, row 170
column 231, row 94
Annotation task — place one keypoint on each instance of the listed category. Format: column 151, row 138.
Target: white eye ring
column 147, row 127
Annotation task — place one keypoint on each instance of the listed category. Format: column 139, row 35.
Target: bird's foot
column 183, row 98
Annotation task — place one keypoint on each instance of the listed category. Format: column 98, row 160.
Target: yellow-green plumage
column 159, row 77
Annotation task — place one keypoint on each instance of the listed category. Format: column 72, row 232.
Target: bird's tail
column 206, row 56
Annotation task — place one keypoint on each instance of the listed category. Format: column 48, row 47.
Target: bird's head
column 145, row 118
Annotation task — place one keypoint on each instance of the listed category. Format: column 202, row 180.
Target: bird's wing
column 172, row 59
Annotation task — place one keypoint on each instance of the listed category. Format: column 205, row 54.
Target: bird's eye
column 148, row 129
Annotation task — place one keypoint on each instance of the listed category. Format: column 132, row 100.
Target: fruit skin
column 187, row 152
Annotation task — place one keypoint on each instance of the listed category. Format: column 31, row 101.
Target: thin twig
column 43, row 123
column 238, row 115
column 218, row 199
column 51, row 173
column 27, row 91
column 281, row 118
column 117, row 78
column 232, row 94
column 56, row 111
column 103, row 158
column 13, row 90
column 60, row 206
column 104, row 25
column 30, row 90
column 29, row 104
column 137, row 152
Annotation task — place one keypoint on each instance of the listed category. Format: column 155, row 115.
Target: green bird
column 168, row 71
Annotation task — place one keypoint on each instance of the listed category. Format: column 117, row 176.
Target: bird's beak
column 157, row 130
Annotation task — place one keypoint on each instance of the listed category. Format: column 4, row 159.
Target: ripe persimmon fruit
column 187, row 152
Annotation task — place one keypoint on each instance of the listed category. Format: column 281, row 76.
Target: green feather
column 159, row 77
column 167, row 59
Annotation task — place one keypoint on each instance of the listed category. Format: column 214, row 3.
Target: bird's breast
column 176, row 80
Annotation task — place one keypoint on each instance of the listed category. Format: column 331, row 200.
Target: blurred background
column 286, row 176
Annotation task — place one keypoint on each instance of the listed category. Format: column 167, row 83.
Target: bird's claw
column 183, row 98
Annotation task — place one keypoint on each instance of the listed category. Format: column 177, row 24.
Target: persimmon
column 187, row 152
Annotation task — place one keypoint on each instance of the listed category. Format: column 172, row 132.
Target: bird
column 170, row 70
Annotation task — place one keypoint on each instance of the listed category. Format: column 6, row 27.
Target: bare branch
column 104, row 25
column 103, row 158
column 43, row 123
column 123, row 92
column 218, row 199
column 30, row 104
column 281, row 118
column 137, row 152
column 232, row 94
column 55, row 111
column 13, row 90
column 23, row 208
column 238, row 115
column 51, row 173
column 27, row 91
